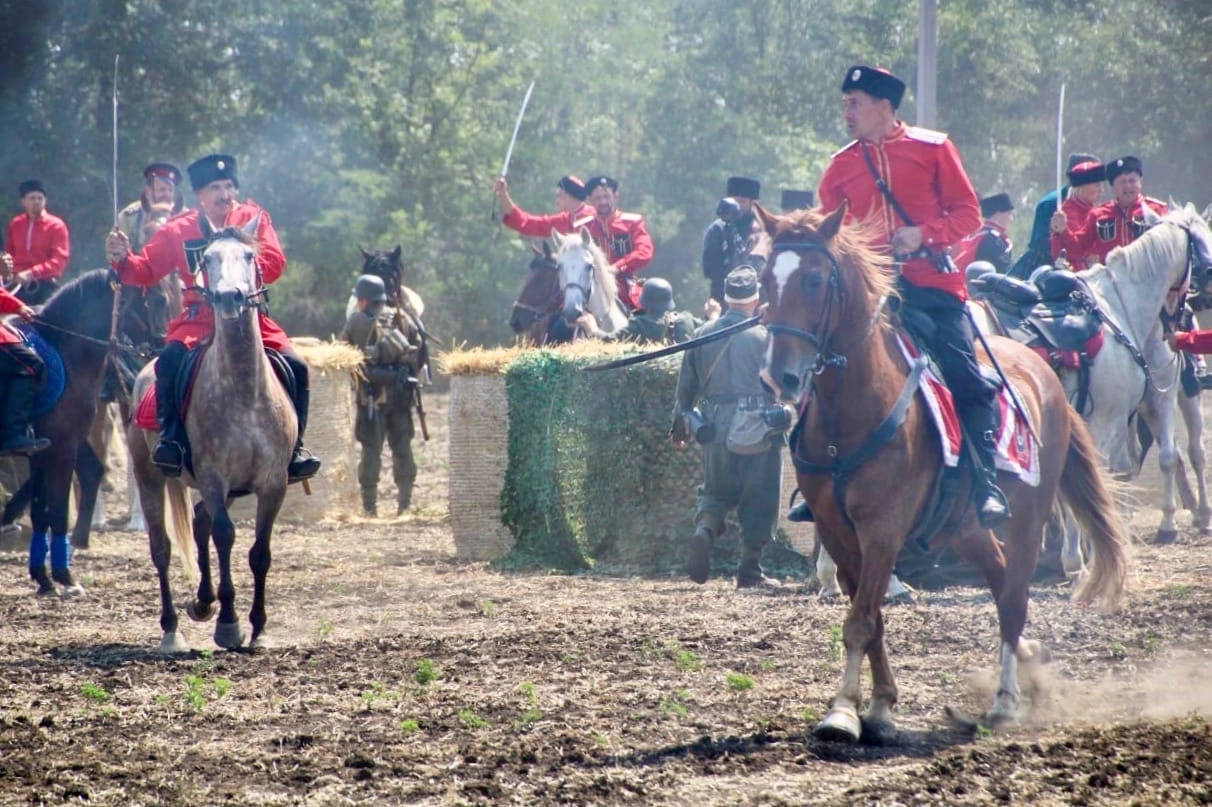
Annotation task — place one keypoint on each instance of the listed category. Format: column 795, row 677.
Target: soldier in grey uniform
column 656, row 320
column 386, row 393
column 742, row 462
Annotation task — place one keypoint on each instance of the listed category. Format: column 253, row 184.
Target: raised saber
column 115, row 139
column 1060, row 137
column 516, row 126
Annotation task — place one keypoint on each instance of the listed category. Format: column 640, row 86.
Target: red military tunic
column 628, row 246
column 41, row 247
column 165, row 254
column 1194, row 341
column 1105, row 227
column 989, row 243
column 9, row 304
column 529, row 224
column 1075, row 211
column 923, row 170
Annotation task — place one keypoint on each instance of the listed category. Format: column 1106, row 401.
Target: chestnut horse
column 539, row 302
column 833, row 350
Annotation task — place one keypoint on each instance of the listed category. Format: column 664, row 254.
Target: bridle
column 538, row 312
column 835, row 293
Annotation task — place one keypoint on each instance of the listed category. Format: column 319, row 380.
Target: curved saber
column 722, row 333
column 1060, row 137
column 516, row 126
column 115, row 139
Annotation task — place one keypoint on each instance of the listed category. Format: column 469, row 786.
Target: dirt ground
column 401, row 675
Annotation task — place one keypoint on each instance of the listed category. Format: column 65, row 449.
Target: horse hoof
column 878, row 732
column 829, row 596
column 841, row 725
column 228, row 635
column 70, row 592
column 68, row 585
column 173, row 643
column 998, row 720
column 262, row 643
column 199, row 612
column 46, row 589
column 1165, row 537
column 903, row 598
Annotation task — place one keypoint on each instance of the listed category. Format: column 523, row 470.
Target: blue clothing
column 1039, row 248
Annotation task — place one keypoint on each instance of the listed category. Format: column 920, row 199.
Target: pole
column 927, row 63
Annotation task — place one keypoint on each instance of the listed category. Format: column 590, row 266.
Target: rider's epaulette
column 185, row 211
column 583, row 222
column 630, row 217
column 1155, row 201
column 923, row 135
column 845, row 148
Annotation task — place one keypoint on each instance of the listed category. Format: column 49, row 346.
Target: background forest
column 384, row 122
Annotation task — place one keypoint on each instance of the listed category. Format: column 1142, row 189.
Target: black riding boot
column 16, row 436
column 169, row 455
column 992, row 508
column 303, row 464
column 800, row 513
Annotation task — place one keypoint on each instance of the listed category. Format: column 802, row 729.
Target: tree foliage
column 384, row 122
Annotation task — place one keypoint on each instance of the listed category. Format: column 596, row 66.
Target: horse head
column 230, row 263
column 387, row 265
column 574, row 257
column 539, row 294
column 820, row 283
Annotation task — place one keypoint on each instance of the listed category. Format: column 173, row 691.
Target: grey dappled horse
column 242, row 428
column 588, row 281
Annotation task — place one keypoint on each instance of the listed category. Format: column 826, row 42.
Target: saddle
column 183, row 387
column 56, row 374
column 1052, row 313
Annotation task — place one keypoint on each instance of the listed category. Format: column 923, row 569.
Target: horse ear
column 1173, row 205
column 365, row 254
column 250, row 229
column 764, row 218
column 1149, row 215
column 833, row 222
column 586, row 239
column 546, row 249
column 395, row 254
column 1207, row 214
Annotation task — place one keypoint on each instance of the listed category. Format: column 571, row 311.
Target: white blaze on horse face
column 784, row 267
column 229, row 266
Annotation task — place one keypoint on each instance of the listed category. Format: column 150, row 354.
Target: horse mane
column 604, row 274
column 850, row 246
column 64, row 307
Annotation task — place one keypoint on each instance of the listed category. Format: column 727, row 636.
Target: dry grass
column 495, row 360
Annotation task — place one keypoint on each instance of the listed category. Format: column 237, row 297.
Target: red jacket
column 529, row 224
column 9, row 304
column 1075, row 211
column 923, row 170
column 1194, row 341
column 41, row 247
column 165, row 254
column 1106, row 227
column 989, row 243
column 628, row 247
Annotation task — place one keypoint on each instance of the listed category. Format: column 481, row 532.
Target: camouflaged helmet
column 370, row 287
column 656, row 297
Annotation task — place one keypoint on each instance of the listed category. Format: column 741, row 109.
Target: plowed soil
column 400, row 675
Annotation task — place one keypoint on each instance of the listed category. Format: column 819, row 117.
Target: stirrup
column 800, row 514
column 169, row 457
column 303, row 465
column 991, row 506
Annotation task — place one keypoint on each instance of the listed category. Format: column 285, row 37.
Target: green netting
column 592, row 480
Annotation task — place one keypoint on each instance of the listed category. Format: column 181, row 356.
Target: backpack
column 388, row 345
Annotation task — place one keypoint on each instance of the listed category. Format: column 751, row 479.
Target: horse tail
column 1087, row 491
column 181, row 525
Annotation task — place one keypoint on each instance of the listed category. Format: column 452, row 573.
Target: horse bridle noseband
column 835, row 292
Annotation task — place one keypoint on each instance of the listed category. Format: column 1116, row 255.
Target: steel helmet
column 656, row 296
column 370, row 287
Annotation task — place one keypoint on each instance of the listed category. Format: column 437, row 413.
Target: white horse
column 1136, row 372
column 587, row 281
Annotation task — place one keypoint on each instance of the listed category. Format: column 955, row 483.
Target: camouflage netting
column 592, row 480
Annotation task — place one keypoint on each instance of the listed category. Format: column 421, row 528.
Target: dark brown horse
column 539, row 302
column 834, row 350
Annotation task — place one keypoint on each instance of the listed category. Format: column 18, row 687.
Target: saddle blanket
column 1017, row 452
column 56, row 374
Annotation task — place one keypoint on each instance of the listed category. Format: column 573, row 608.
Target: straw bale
column 496, row 360
column 479, row 456
column 802, row 537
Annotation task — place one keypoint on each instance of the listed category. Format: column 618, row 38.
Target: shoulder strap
column 883, row 186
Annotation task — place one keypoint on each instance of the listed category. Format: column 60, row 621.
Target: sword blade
column 722, row 333
column 1060, row 137
column 115, row 177
column 516, row 126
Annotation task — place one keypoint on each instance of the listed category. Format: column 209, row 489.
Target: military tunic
column 384, row 410
column 673, row 326
column 723, row 376
column 725, row 247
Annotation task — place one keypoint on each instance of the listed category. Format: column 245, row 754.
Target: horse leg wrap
column 38, row 551
column 60, row 552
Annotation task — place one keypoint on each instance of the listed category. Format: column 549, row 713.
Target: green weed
column 837, row 644
column 471, row 719
column 94, row 692
column 675, row 706
column 426, row 672
column 489, row 609
column 378, row 692
column 738, row 682
column 409, row 725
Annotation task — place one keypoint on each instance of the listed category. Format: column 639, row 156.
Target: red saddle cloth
column 1070, row 359
column 146, row 413
column 1017, row 452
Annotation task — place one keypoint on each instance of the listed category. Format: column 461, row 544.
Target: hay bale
column 479, row 429
column 801, row 537
column 329, row 436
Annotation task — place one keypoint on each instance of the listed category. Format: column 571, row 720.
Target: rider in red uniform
column 24, row 373
column 992, row 241
column 215, row 184
column 935, row 208
column 37, row 246
column 1114, row 224
column 570, row 202
column 622, row 236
